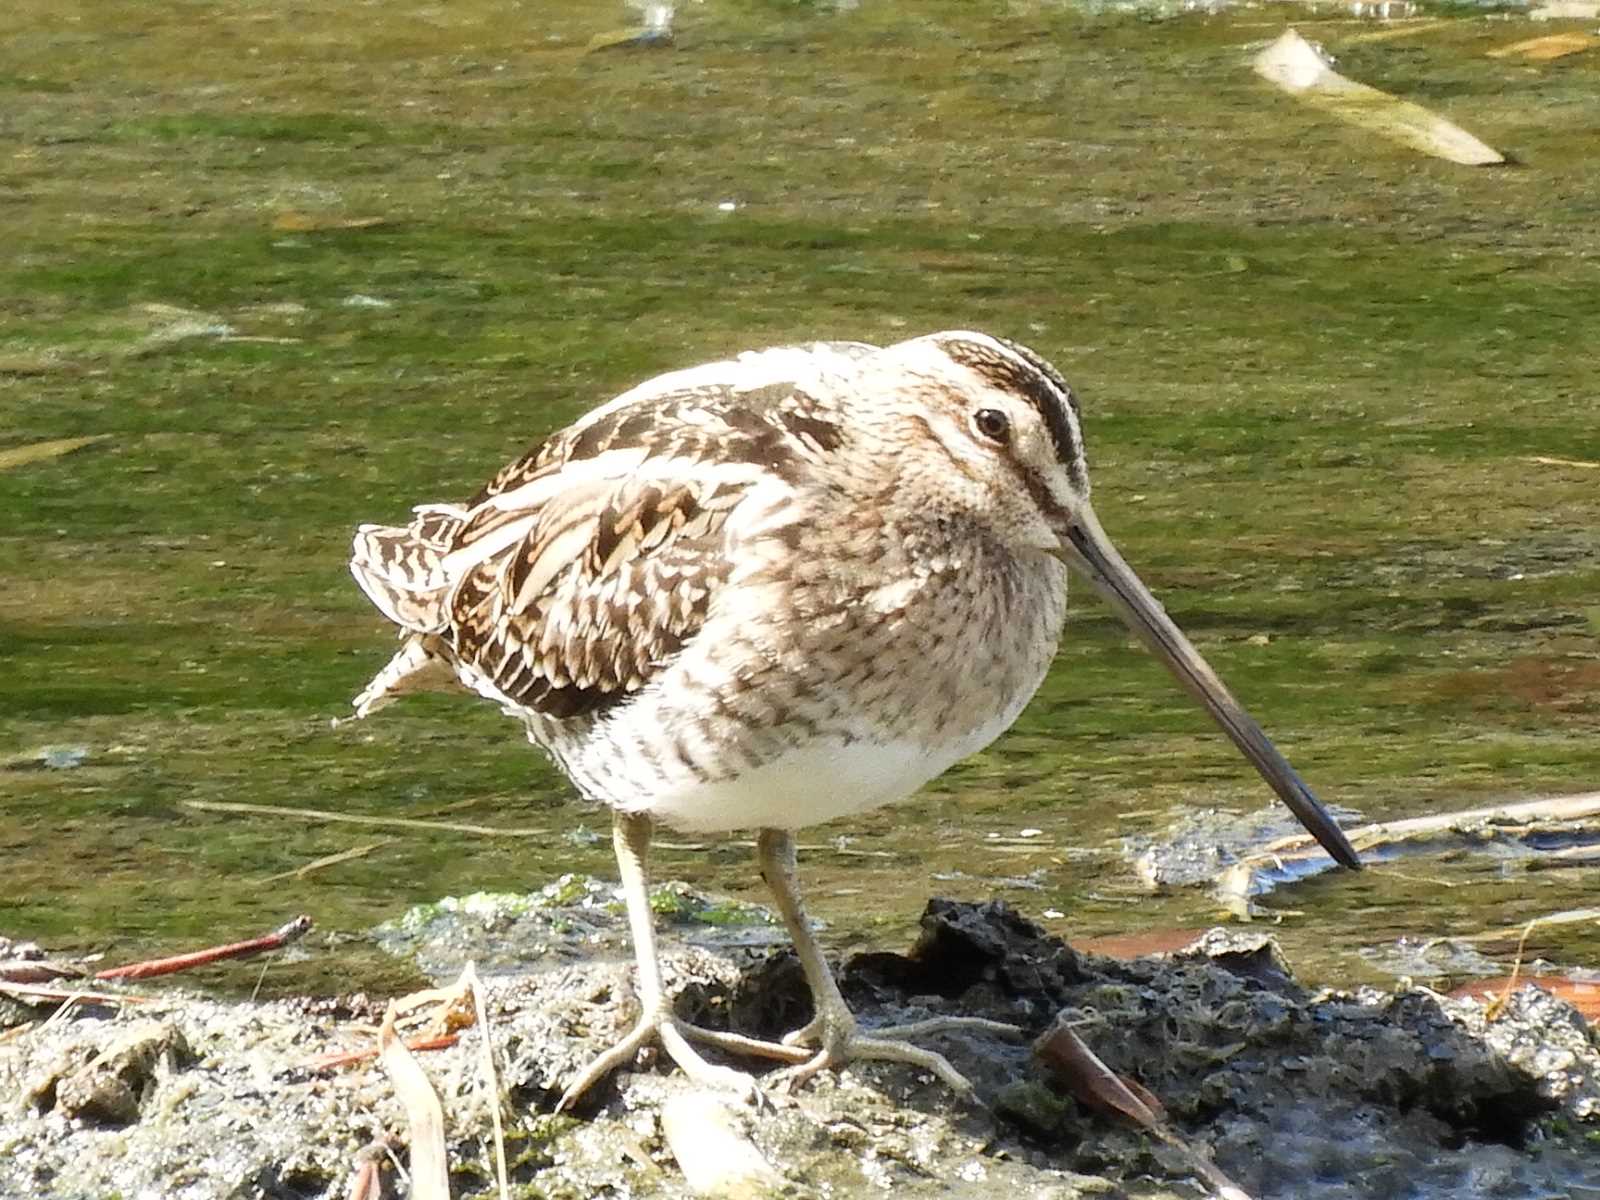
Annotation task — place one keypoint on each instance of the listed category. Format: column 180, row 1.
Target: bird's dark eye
column 993, row 424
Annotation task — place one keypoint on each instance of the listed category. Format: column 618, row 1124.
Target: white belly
column 759, row 726
column 809, row 784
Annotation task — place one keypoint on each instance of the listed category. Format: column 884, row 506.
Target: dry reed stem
column 328, row 860
column 469, row 977
column 318, row 814
column 430, row 1165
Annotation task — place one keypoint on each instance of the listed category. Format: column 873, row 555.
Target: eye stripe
column 1045, row 369
column 1020, row 371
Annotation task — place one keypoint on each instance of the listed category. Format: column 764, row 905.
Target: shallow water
column 303, row 266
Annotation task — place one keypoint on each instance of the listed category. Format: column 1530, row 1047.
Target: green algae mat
column 274, row 269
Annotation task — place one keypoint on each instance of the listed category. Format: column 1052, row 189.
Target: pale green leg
column 833, row 1031
column 630, row 834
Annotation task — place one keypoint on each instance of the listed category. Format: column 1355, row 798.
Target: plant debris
column 1298, row 68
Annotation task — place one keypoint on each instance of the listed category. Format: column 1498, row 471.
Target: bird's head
column 1003, row 428
column 990, row 431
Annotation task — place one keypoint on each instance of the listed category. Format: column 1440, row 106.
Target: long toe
column 738, row 1043
column 839, row 1053
column 700, row 1072
column 932, row 1025
column 809, row 1034
column 838, row 1041
column 675, row 1036
column 603, row 1064
column 895, row 1050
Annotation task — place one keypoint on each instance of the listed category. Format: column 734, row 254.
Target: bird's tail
column 422, row 664
column 402, row 568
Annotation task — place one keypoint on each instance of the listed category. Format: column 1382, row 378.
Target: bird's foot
column 837, row 1040
column 675, row 1036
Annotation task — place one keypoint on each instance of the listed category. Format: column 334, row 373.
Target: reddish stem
column 275, row 940
column 343, row 1058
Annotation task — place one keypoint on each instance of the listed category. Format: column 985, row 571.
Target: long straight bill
column 1089, row 550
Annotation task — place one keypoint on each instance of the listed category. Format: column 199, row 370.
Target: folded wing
column 582, row 568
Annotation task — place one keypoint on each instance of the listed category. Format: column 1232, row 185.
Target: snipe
column 773, row 591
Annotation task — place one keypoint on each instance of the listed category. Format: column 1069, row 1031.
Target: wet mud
column 1290, row 1092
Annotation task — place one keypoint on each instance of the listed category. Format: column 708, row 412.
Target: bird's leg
column 833, row 1030
column 630, row 835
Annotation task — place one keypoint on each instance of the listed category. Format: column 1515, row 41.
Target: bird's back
column 583, row 566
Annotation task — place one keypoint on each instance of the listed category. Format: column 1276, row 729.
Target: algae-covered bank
column 271, row 269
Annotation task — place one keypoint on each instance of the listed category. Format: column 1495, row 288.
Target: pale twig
column 1498, row 1005
column 255, row 992
column 328, row 860
column 1581, row 807
column 26, row 991
column 1566, row 859
column 20, row 456
column 60, row 1014
column 1544, row 461
column 318, row 814
column 1566, row 917
column 1404, row 30
column 469, row 976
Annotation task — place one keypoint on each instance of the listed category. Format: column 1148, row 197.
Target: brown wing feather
column 601, row 594
column 401, row 567
column 584, row 566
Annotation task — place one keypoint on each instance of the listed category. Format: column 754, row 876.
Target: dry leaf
column 430, row 1162
column 1543, row 49
column 299, row 222
column 1098, row 1085
column 1295, row 66
column 21, row 456
column 1092, row 1081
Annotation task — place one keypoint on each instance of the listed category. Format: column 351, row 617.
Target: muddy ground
column 1294, row 1094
